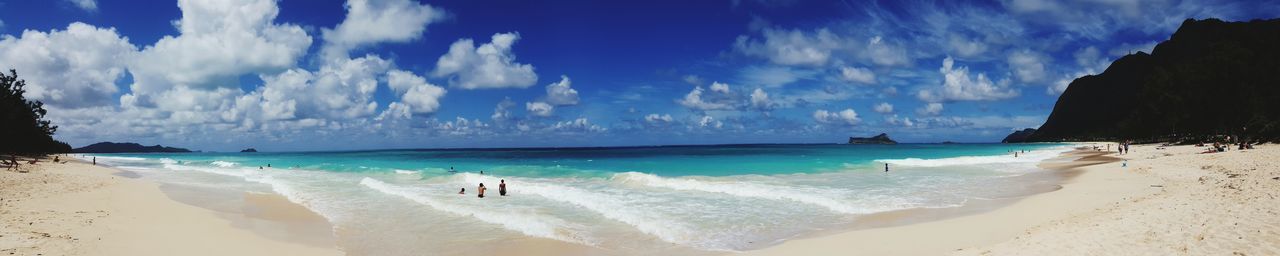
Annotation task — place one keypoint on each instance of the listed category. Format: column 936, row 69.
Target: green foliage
column 23, row 129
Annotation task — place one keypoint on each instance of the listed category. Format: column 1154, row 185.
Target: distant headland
column 126, row 147
column 878, row 139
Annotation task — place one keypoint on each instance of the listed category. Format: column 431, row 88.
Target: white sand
column 80, row 209
column 1195, row 208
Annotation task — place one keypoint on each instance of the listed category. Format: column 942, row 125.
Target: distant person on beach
column 1126, row 148
column 463, row 191
column 482, row 172
column 502, row 188
column 95, row 160
column 481, row 190
column 886, row 167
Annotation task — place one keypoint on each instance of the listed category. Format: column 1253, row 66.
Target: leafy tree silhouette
column 23, row 129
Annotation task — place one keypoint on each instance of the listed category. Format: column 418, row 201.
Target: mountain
column 878, row 139
column 110, row 147
column 249, row 150
column 1019, row 136
column 1211, row 77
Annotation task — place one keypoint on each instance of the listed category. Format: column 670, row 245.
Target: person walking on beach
column 95, row 160
column 502, row 188
column 886, row 167
column 481, row 190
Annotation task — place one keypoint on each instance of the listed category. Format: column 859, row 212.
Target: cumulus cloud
column 658, row 119
column 489, row 66
column 1028, row 66
column 718, row 98
column 959, row 85
column 710, row 122
column 218, row 42
column 376, row 21
column 414, row 91
column 791, row 47
column 560, row 93
column 885, row 53
column 846, row 116
column 87, row 5
column 857, row 75
column 760, row 100
column 931, row 109
column 580, row 125
column 71, row 68
column 502, row 112
column 883, row 108
column 539, row 108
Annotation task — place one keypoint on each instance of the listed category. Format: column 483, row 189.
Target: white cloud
column 931, row 109
column 710, row 122
column 71, row 68
column 858, row 75
column 760, row 100
column 502, row 111
column 791, row 47
column 965, row 48
column 658, row 119
column 883, row 108
column 340, row 90
column 718, row 98
column 899, row 121
column 846, row 116
column 773, row 76
column 560, row 93
column 885, row 53
column 375, row 21
column 87, row 5
column 219, row 42
column 1028, row 66
column 395, row 110
column 489, row 66
column 539, row 108
column 580, row 125
column 958, row 85
column 414, row 91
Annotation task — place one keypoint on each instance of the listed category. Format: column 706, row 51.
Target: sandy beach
column 76, row 208
column 1169, row 201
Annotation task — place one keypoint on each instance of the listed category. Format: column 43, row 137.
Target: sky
column 307, row 75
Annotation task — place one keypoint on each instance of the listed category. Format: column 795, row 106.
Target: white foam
column 528, row 224
column 608, row 206
column 167, row 161
column 1031, row 157
column 407, row 172
column 118, row 158
column 224, row 164
column 745, row 189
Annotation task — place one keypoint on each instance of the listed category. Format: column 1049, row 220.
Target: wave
column 532, row 225
column 744, row 189
column 1032, row 157
column 117, row 158
column 407, row 172
column 224, row 164
column 168, row 161
column 610, row 207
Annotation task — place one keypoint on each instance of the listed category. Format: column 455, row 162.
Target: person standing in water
column 502, row 188
column 886, row 167
column 463, row 191
column 481, row 195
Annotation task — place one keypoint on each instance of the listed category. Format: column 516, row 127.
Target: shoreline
column 75, row 208
column 1081, row 179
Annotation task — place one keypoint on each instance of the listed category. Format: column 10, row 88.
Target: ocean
column 630, row 200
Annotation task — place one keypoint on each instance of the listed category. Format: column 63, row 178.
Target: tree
column 23, row 129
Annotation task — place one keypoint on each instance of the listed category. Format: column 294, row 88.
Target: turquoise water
column 641, row 200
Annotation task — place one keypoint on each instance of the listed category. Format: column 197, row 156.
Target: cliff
column 1211, row 77
column 1019, row 136
column 878, row 139
column 110, row 147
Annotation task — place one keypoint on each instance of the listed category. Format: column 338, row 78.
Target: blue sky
column 362, row 74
